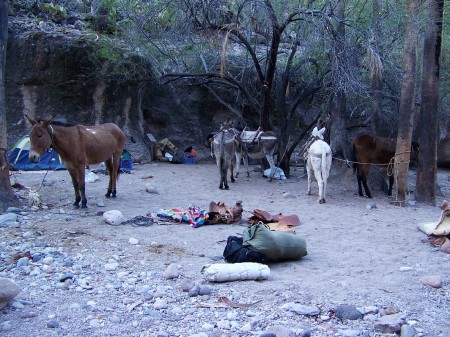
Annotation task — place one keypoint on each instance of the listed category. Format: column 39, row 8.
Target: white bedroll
column 223, row 272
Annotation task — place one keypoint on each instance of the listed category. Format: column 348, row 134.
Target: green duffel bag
column 274, row 245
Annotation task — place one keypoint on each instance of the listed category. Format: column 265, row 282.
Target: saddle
column 221, row 213
column 249, row 137
column 277, row 222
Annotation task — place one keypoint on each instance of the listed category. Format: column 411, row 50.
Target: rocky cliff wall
column 49, row 72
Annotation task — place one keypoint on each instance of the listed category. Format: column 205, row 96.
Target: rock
column 150, row 188
column 288, row 195
column 8, row 219
column 446, row 247
column 280, row 331
column 111, row 266
column 186, row 285
column 101, row 203
column 205, row 289
column 160, row 304
column 307, row 310
column 133, row 241
column 8, row 290
column 346, row 311
column 22, row 262
column 390, row 323
column 404, row 268
column 52, row 324
column 171, row 271
column 195, row 291
column 114, row 217
column 434, row 281
column 407, row 331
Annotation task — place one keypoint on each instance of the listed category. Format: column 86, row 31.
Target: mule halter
column 52, row 135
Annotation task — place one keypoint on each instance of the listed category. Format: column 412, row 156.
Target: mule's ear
column 48, row 121
column 322, row 131
column 32, row 122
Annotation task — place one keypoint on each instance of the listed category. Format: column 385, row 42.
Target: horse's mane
column 58, row 123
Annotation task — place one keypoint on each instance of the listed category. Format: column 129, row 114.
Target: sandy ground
column 356, row 255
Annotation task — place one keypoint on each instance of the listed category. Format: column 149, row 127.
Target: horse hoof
column 221, row 187
column 84, row 206
column 227, row 187
column 76, row 206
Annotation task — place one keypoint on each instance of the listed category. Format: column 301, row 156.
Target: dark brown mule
column 368, row 149
column 79, row 146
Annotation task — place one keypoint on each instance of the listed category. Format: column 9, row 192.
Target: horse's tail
column 353, row 158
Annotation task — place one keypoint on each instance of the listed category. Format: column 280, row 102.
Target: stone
column 113, row 217
column 346, row 311
column 434, row 281
column 8, row 219
column 171, row 271
column 446, row 247
column 150, row 188
column 407, row 331
column 307, row 310
column 390, row 323
column 133, row 241
column 8, row 290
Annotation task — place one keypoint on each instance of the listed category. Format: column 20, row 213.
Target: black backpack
column 235, row 252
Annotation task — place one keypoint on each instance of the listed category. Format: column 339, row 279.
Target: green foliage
column 114, row 61
column 56, row 13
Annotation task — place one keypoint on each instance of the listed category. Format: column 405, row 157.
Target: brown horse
column 367, row 150
column 79, row 146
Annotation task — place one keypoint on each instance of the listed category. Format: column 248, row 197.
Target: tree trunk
column 271, row 68
column 338, row 107
column 377, row 70
column 7, row 197
column 427, row 169
column 407, row 104
column 3, row 44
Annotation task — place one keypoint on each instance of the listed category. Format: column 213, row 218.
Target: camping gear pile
column 439, row 232
column 267, row 238
column 19, row 161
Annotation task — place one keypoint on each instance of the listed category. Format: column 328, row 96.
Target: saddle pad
column 250, row 136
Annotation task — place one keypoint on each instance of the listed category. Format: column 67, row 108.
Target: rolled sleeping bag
column 224, row 272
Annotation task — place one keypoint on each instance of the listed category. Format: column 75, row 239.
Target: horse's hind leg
column 225, row 176
column 232, row 166
column 320, row 182
column 109, row 166
column 237, row 162
column 364, row 172
column 310, row 176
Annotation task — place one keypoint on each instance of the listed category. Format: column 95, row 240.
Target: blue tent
column 18, row 158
